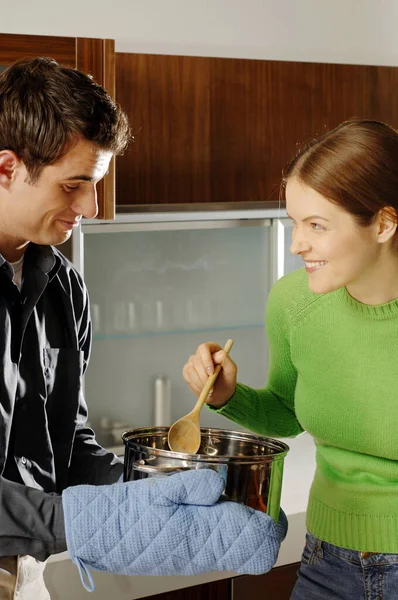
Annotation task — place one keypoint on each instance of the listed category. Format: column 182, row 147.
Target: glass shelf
column 146, row 334
column 155, row 296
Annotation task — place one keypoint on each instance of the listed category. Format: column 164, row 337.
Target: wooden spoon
column 184, row 434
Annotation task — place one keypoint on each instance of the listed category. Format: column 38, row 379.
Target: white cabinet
column 160, row 285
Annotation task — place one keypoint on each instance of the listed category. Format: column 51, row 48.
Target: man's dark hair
column 45, row 107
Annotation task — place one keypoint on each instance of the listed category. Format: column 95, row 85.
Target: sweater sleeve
column 270, row 411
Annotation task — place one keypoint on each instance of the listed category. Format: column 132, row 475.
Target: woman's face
column 337, row 252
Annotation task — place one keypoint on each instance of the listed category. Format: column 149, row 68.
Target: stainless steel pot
column 252, row 466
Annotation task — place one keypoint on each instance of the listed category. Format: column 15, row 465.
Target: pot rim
column 281, row 449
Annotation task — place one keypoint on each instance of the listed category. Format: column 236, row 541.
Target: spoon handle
column 211, row 380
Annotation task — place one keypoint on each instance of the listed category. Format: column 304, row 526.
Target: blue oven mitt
column 167, row 526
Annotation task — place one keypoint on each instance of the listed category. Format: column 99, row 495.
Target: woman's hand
column 202, row 364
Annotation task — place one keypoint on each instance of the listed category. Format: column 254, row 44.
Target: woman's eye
column 317, row 226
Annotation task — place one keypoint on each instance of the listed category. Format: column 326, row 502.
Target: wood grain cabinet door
column 220, row 130
column 216, row 590
column 94, row 56
column 278, row 584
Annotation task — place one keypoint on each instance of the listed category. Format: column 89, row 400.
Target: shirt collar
column 40, row 257
column 43, row 258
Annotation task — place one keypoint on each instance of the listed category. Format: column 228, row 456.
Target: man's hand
column 167, row 526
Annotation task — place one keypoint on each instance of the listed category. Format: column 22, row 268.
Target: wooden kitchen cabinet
column 95, row 56
column 219, row 131
column 216, row 590
column 278, row 584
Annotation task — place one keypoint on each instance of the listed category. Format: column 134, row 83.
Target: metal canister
column 162, row 401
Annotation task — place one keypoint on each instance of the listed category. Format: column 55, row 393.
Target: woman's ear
column 9, row 162
column 387, row 222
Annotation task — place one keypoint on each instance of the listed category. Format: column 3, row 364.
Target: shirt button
column 24, row 406
column 23, row 460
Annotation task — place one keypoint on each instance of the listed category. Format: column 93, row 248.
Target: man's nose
column 86, row 203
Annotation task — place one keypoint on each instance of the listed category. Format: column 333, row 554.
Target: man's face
column 46, row 212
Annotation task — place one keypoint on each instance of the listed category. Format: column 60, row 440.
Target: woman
column 333, row 335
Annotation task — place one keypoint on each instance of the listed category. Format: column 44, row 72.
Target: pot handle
column 150, row 469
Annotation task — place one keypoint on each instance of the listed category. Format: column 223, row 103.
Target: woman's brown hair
column 45, row 107
column 355, row 166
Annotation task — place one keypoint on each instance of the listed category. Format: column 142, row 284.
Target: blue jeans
column 328, row 572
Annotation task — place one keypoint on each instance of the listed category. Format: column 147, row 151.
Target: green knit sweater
column 334, row 373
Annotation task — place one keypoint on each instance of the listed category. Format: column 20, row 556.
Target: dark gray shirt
column 44, row 444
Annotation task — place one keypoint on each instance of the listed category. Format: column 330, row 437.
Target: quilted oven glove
column 167, row 526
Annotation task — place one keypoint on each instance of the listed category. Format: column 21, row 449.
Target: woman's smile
column 314, row 265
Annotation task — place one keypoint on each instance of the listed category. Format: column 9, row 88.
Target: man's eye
column 71, row 186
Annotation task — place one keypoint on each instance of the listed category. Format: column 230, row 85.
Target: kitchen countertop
column 62, row 576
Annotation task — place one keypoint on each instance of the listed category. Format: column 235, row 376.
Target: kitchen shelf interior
column 155, row 296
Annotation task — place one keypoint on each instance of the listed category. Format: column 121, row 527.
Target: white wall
column 347, row 31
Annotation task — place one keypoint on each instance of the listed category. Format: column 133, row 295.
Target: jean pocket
column 312, row 550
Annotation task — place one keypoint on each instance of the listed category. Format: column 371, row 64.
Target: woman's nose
column 299, row 243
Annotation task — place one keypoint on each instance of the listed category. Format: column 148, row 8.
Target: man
column 58, row 132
